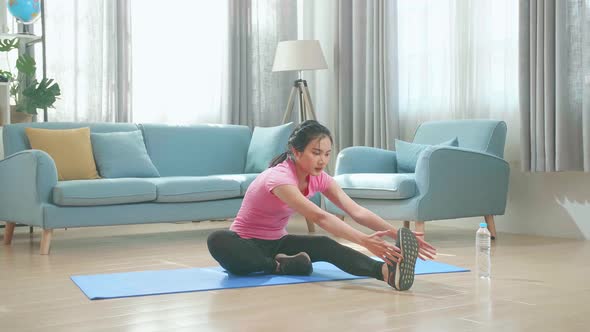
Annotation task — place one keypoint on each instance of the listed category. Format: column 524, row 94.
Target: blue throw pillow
column 408, row 153
column 122, row 154
column 267, row 143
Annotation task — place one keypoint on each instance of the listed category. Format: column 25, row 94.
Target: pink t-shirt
column 263, row 215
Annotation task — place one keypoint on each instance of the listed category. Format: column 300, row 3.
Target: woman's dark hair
column 304, row 133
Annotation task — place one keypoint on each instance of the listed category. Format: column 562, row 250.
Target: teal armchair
column 449, row 182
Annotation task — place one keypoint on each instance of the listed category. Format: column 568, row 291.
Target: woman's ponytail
column 279, row 159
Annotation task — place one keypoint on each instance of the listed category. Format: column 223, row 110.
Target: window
column 178, row 59
column 457, row 59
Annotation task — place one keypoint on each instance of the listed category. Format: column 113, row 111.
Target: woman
column 258, row 242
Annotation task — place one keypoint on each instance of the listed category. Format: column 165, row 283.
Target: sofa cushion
column 103, row 192
column 195, row 188
column 266, row 144
column 244, row 179
column 122, row 154
column 408, row 153
column 70, row 149
column 197, row 150
column 378, row 185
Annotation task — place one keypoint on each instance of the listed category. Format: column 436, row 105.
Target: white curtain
column 450, row 59
column 357, row 96
column 253, row 95
column 86, row 61
column 447, row 59
column 182, row 69
column 458, row 59
column 178, row 61
column 555, row 85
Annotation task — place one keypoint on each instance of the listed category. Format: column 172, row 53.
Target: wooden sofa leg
column 46, row 241
column 9, row 232
column 310, row 225
column 491, row 225
column 406, row 224
column 420, row 227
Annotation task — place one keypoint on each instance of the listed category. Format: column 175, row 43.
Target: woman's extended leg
column 239, row 256
column 322, row 248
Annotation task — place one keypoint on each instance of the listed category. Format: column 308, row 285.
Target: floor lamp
column 299, row 55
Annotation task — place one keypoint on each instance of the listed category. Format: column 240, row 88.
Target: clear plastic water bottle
column 482, row 254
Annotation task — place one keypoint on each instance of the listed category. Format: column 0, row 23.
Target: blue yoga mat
column 114, row 285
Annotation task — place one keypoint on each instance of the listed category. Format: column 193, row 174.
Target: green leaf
column 8, row 44
column 39, row 95
column 5, row 76
column 26, row 64
column 14, row 89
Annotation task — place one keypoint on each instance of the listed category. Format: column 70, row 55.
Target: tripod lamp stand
column 299, row 55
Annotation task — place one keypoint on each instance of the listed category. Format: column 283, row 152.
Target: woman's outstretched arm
column 291, row 195
column 358, row 213
column 369, row 219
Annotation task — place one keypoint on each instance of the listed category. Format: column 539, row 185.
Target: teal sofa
column 203, row 176
column 448, row 182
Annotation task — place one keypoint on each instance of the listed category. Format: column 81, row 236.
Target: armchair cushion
column 70, row 149
column 122, row 154
column 266, row 143
column 408, row 153
column 377, row 186
column 364, row 159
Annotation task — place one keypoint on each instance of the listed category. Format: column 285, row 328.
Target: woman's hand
column 382, row 249
column 425, row 250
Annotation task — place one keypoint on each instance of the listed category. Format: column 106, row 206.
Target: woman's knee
column 219, row 239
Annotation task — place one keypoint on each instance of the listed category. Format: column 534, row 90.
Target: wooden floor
column 539, row 284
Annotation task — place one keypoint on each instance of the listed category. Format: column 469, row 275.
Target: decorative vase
column 19, row 117
column 4, row 103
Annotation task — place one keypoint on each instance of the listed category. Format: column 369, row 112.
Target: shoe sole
column 404, row 274
column 302, row 256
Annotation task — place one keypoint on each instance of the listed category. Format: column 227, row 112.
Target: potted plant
column 27, row 93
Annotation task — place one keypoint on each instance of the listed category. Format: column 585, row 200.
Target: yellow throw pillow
column 70, row 149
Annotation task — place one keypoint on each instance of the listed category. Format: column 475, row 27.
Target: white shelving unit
column 26, row 37
column 26, row 40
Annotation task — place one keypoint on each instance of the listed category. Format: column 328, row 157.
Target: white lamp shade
column 299, row 55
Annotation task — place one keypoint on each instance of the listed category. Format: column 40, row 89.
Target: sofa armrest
column 456, row 182
column 26, row 181
column 362, row 159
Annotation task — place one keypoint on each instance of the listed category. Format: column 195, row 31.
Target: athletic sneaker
column 401, row 275
column 299, row 264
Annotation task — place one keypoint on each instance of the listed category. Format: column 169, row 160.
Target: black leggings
column 243, row 256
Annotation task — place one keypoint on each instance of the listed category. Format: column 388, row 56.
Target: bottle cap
column 483, row 224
